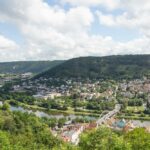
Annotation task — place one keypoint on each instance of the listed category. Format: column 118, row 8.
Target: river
column 44, row 114
column 139, row 123
column 38, row 113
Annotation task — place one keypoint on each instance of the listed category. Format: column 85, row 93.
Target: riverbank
column 133, row 118
column 55, row 111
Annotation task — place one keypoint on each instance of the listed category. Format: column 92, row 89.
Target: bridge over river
column 102, row 119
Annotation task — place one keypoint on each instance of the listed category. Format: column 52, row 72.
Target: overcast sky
column 63, row 29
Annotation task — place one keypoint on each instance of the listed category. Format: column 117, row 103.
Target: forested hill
column 27, row 66
column 109, row 67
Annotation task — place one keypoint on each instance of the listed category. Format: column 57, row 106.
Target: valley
column 71, row 106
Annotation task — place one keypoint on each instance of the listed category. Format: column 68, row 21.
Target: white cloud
column 136, row 15
column 107, row 20
column 8, row 49
column 49, row 31
column 7, row 44
column 109, row 4
column 56, row 33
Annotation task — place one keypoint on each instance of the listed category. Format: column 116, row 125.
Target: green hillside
column 27, row 66
column 109, row 67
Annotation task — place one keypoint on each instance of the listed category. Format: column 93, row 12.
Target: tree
column 61, row 122
column 124, row 104
column 23, row 131
column 5, row 106
column 4, row 141
column 52, row 122
column 102, row 139
column 139, row 139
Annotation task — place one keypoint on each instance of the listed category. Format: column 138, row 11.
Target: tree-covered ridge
column 109, row 67
column 27, row 66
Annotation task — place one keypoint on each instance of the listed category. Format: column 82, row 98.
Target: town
column 119, row 105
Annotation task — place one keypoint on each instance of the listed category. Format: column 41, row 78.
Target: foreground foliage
column 22, row 131
column 106, row 139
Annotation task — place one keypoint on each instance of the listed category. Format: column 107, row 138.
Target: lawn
column 134, row 117
column 135, row 108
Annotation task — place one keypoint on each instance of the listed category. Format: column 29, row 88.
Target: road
column 108, row 115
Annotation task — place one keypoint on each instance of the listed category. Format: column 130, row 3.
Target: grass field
column 135, row 108
column 134, row 117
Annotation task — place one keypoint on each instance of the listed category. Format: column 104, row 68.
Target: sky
column 64, row 29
